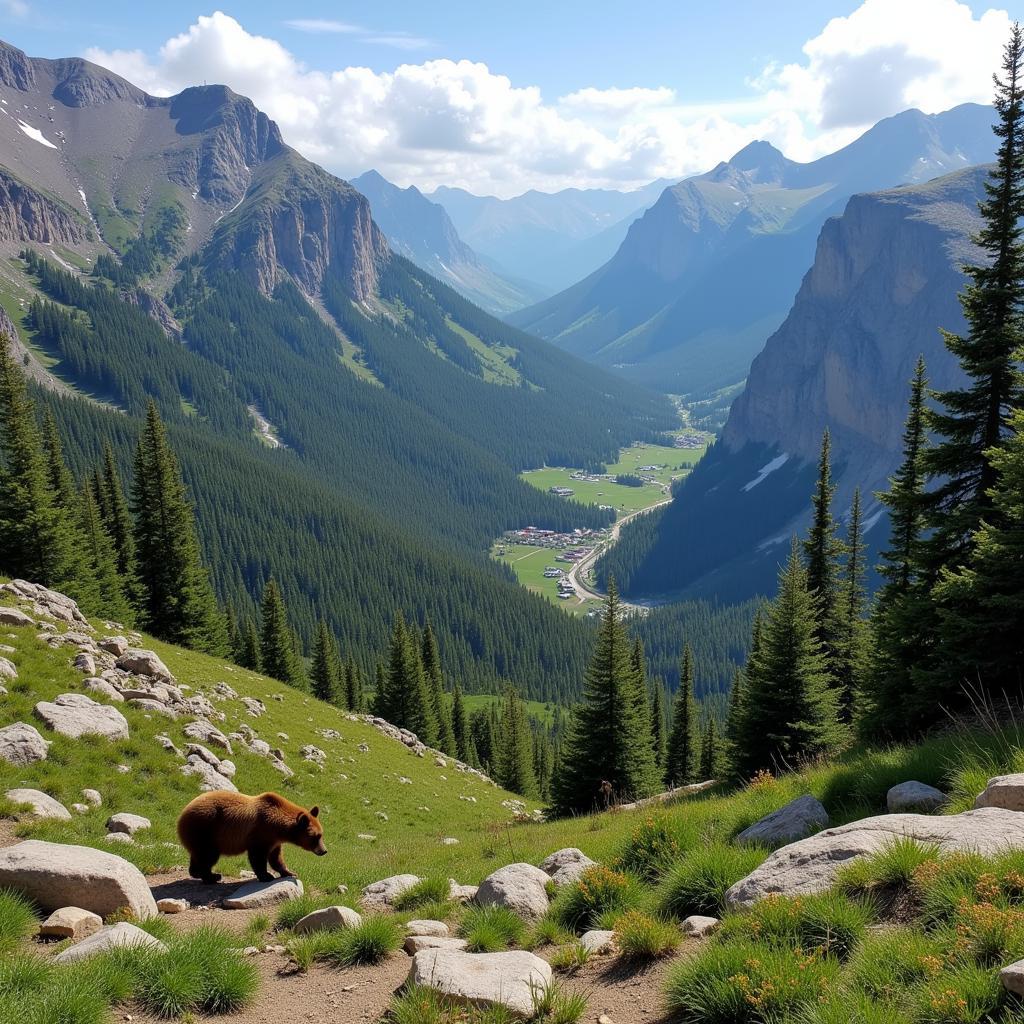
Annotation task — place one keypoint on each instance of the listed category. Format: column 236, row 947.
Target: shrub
column 888, row 963
column 653, row 847
column 829, row 923
column 697, row 884
column 570, row 958
column 491, row 929
column 642, row 937
column 17, row 919
column 853, row 1008
column 988, row 934
column 731, row 983
column 943, row 885
column 598, row 892
column 427, row 890
column 968, row 995
column 892, row 867
column 418, row 1005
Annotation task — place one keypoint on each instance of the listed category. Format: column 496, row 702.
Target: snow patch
column 85, row 202
column 872, row 520
column 777, row 463
column 35, row 134
column 63, row 263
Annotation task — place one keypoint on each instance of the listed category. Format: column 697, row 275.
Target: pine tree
column 407, row 701
column 789, row 706
column 439, row 699
column 902, row 612
column 852, row 655
column 249, row 655
column 973, row 421
column 41, row 539
column 682, row 758
column 513, row 767
column 982, row 604
column 710, row 753
column 642, row 697
column 460, row 727
column 179, row 605
column 608, row 740
column 102, row 562
column 659, row 734
column 277, row 645
column 325, row 670
column 822, row 551
column 117, row 520
column 734, row 715
column 353, row 686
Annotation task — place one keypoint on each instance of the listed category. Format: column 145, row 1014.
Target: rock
column 329, row 919
column 515, row 979
column 111, row 937
column 449, row 841
column 22, row 744
column 597, row 941
column 811, row 865
column 127, row 823
column 379, row 895
column 414, row 943
column 264, row 894
column 520, row 887
column 7, row 669
column 261, row 748
column 103, row 688
column 43, row 806
column 311, row 753
column 798, row 819
column 119, row 837
column 280, row 766
column 1012, row 978
column 209, row 778
column 76, row 715
column 203, row 754
column 115, row 645
column 255, row 707
column 56, row 875
column 436, row 928
column 85, row 662
column 92, row 797
column 15, row 617
column 156, row 706
column 204, row 732
column 1005, row 791
column 48, row 602
column 169, row 905
column 143, row 663
column 81, row 808
column 914, row 796
column 698, row 926
column 461, row 893
column 565, row 866
column 70, row 923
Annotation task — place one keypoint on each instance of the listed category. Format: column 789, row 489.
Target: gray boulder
column 115, row 645
column 914, row 796
column 85, row 662
column 382, row 894
column 799, row 818
column 75, row 715
column 209, row 778
column 811, row 865
column 329, row 919
column 697, row 925
column 1005, row 791
column 598, row 941
column 127, row 823
column 565, row 866
column 15, row 617
column 414, row 943
column 520, row 887
column 103, row 688
column 203, row 731
column 111, row 937
column 256, row 895
column 514, row 980
column 143, row 663
column 22, row 744
column 1012, row 978
column 56, row 875
column 70, row 923
column 438, row 929
column 7, row 669
column 43, row 805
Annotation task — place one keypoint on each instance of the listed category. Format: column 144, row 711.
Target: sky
column 501, row 98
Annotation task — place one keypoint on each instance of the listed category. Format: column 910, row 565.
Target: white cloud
column 457, row 122
column 15, row 8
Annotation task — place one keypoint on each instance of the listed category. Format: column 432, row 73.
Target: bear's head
column 309, row 833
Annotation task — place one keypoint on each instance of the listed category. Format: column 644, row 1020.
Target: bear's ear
column 314, row 812
column 303, row 820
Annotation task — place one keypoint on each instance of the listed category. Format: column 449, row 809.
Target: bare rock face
column 514, row 980
column 43, row 805
column 76, row 715
column 21, row 744
column 30, row 216
column 520, row 887
column 56, row 875
column 811, row 865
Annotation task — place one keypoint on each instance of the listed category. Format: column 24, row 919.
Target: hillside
column 885, row 278
column 139, row 223
column 710, row 270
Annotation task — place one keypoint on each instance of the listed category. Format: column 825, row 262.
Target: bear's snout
column 320, row 849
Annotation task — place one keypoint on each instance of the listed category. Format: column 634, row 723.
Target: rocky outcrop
column 82, row 84
column 76, row 715
column 811, row 865
column 16, row 70
column 21, row 744
column 520, row 887
column 27, row 215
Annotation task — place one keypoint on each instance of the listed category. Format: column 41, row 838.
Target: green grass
column 491, row 929
column 425, row 892
column 643, row 937
column 624, row 499
column 17, row 919
column 529, row 563
column 697, row 883
column 543, row 712
column 368, row 943
column 595, row 901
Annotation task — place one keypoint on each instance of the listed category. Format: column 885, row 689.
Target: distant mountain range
column 885, row 277
column 710, row 270
column 551, row 239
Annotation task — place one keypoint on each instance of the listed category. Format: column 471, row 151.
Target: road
column 575, row 574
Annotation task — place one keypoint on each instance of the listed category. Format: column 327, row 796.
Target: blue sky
column 503, row 97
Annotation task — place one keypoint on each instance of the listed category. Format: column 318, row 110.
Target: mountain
column 551, row 238
column 346, row 423
column 710, row 270
column 886, row 276
column 423, row 232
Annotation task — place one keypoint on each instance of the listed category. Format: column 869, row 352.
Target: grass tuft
column 641, row 937
column 697, row 884
column 17, row 919
column 491, row 929
column 571, row 958
column 598, row 893
column 425, row 891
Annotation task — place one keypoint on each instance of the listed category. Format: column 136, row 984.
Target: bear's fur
column 222, row 823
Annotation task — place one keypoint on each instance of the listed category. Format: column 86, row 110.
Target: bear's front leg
column 278, row 864
column 258, row 862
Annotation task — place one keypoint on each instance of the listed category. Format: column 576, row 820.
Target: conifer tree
column 659, row 733
column 822, row 551
column 102, row 563
column 277, row 646
column 735, row 713
column 353, row 685
column 439, row 699
column 789, row 709
column 117, row 520
column 460, row 727
column 250, row 647
column 325, row 670
column 710, row 753
column 41, row 539
column 380, row 694
column 608, row 740
column 683, row 756
column 972, row 422
column 408, row 703
column 179, row 604
column 641, row 695
column 513, row 767
column 852, row 655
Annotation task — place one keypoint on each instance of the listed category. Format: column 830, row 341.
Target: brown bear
column 221, row 823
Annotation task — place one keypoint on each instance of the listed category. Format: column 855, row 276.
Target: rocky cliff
column 27, row 215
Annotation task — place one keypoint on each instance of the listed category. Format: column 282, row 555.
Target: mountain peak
column 15, row 68
column 760, row 161
column 81, row 84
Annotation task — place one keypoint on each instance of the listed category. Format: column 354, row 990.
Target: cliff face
column 27, row 215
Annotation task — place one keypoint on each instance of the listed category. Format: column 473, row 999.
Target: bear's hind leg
column 258, row 862
column 201, row 865
column 278, row 864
